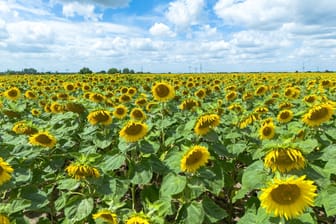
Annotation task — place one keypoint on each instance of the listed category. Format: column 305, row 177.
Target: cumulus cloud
column 184, row 13
column 85, row 10
column 161, row 30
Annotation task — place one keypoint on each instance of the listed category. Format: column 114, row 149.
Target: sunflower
column 235, row 107
column 81, row 171
column 107, row 216
column 231, row 96
column 30, row 94
column 125, row 98
column 247, row 96
column 267, row 131
column 288, row 197
column 69, row 86
column 120, row 111
column 137, row 219
column 4, row 219
column 201, row 93
column 13, row 93
column 22, row 127
column 35, row 112
column 194, row 158
column 205, row 123
column 44, row 139
column 97, row 97
column 137, row 114
column 150, row 105
column 261, row 110
column 131, row 91
column 5, row 171
column 261, row 90
column 100, row 117
column 62, row 96
column 318, row 114
column 284, row 159
column 133, row 131
column 189, row 104
column 141, row 102
column 285, row 116
column 56, row 107
column 163, row 92
column 75, row 107
column 310, row 98
column 247, row 120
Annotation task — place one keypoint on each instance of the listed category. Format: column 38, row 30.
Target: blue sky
column 168, row 35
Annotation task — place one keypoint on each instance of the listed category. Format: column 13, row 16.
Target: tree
column 85, row 70
column 126, row 71
column 29, row 71
column 113, row 71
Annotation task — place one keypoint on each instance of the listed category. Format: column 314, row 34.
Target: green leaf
column 327, row 199
column 101, row 141
column 143, row 173
column 172, row 184
column 37, row 197
column 84, row 209
column 307, row 146
column 148, row 147
column 68, row 184
column 254, row 177
column 18, row 205
column 173, row 160
column 213, row 211
column 192, row 213
column 111, row 163
column 236, row 148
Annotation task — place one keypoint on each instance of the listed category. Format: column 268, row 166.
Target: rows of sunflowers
column 168, row 148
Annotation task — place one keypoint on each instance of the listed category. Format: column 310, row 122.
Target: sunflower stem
column 133, row 196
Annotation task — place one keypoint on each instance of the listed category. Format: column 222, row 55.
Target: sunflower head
column 12, row 93
column 44, row 139
column 232, row 95
column 81, row 171
column 4, row 219
column 201, row 93
column 163, row 92
column 261, row 90
column 75, row 107
column 22, row 127
column 96, row 97
column 125, row 98
column 100, row 117
column 285, row 116
column 318, row 114
column 288, row 197
column 30, row 94
column 189, row 104
column 284, row 159
column 107, row 216
column 267, row 131
column 205, row 123
column 5, row 171
column 120, row 111
column 138, row 218
column 133, row 131
column 194, row 158
column 137, row 114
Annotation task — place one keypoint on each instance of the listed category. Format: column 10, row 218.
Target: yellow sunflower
column 100, row 117
column 22, row 127
column 12, row 93
column 35, row 112
column 125, row 98
column 267, row 131
column 81, row 171
column 137, row 219
column 133, row 131
column 201, row 93
column 189, row 104
column 141, row 102
column 120, row 111
column 284, row 159
column 107, row 216
column 261, row 90
column 4, row 219
column 318, row 115
column 75, row 107
column 56, row 107
column 96, row 97
column 69, row 86
column 205, row 123
column 232, row 95
column 137, row 114
column 194, row 158
column 44, row 139
column 30, row 94
column 163, row 92
column 285, row 116
column 288, row 197
column 5, row 171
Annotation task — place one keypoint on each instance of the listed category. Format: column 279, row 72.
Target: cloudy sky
column 168, row 35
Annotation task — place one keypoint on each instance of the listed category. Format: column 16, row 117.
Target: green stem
column 133, row 196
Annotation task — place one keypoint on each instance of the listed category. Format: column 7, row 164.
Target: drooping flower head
column 163, row 92
column 5, row 171
column 80, row 171
column 133, row 131
column 107, row 216
column 100, row 117
column 194, row 158
column 189, row 104
column 43, row 138
column 138, row 218
column 284, row 159
column 205, row 123
column 288, row 197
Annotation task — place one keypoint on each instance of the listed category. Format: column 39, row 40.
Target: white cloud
column 85, row 10
column 184, row 13
column 105, row 3
column 161, row 30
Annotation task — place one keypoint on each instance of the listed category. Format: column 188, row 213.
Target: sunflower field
column 168, row 148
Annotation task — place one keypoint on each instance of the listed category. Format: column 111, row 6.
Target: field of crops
column 168, row 148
